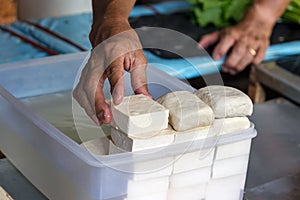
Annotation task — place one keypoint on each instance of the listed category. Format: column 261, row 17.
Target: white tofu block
column 99, row 146
column 146, row 187
column 233, row 149
column 230, row 125
column 148, row 169
column 219, row 127
column 192, row 134
column 5, row 196
column 190, row 178
column 197, row 192
column 230, row 166
column 193, row 160
column 228, row 188
column 187, row 111
column 139, row 114
column 226, row 101
column 154, row 196
column 144, row 141
column 152, row 169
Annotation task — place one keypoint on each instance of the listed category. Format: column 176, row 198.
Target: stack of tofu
column 141, row 123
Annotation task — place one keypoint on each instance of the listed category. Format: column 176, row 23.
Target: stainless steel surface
column 276, row 149
column 286, row 188
column 274, row 165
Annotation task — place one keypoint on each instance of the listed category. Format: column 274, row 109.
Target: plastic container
column 61, row 169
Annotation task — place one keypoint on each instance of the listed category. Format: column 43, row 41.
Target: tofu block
column 230, row 125
column 5, row 196
column 226, row 101
column 99, row 146
column 143, row 141
column 192, row 134
column 193, row 160
column 230, row 166
column 154, row 196
column 147, row 169
column 228, row 188
column 197, row 192
column 147, row 187
column 187, row 111
column 139, row 114
column 152, row 169
column 233, row 149
column 190, row 178
column 219, row 127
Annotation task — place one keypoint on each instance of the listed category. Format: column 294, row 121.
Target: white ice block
column 187, row 111
column 190, row 178
column 228, row 188
column 143, row 141
column 230, row 166
column 197, row 192
column 137, row 188
column 226, row 101
column 193, row 160
column 219, row 127
column 139, row 114
column 99, row 146
column 154, row 196
column 233, row 149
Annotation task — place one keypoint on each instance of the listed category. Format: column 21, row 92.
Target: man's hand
column 246, row 42
column 116, row 48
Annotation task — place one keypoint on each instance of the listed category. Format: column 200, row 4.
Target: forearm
column 266, row 11
column 106, row 13
column 111, row 9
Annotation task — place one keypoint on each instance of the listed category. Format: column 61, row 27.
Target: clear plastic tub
column 60, row 168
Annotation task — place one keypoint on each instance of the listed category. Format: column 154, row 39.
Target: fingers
column 103, row 112
column 226, row 42
column 138, row 74
column 261, row 53
column 241, row 55
column 209, row 39
column 81, row 97
column 244, row 47
column 115, row 75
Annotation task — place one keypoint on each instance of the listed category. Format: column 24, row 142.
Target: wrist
column 107, row 27
column 259, row 16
